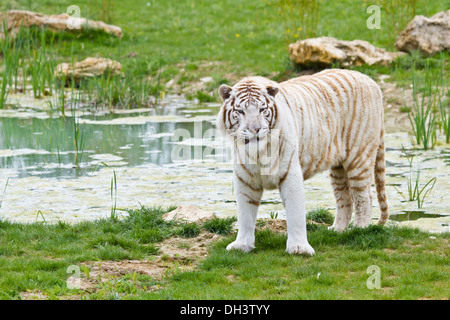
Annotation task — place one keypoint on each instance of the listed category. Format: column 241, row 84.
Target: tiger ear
column 272, row 91
column 225, row 91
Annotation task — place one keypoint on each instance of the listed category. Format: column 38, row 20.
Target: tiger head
column 249, row 110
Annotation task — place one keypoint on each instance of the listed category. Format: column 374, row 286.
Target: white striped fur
column 332, row 120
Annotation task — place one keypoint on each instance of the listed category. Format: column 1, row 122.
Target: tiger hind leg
column 359, row 182
column 344, row 201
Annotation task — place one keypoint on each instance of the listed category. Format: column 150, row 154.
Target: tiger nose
column 254, row 130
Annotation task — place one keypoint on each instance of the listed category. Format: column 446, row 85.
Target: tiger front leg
column 248, row 199
column 293, row 196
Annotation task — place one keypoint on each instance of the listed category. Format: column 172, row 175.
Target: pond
column 167, row 155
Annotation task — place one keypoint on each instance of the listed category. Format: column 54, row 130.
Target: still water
column 168, row 155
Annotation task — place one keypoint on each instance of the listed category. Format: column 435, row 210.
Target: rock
column 63, row 22
column 325, row 51
column 189, row 214
column 88, row 68
column 428, row 35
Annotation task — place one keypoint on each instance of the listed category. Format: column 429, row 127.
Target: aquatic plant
column 415, row 192
column 423, row 116
column 113, row 189
column 443, row 101
column 114, row 195
column 134, row 89
column 27, row 56
column 29, row 59
column 39, row 213
column 273, row 215
column 40, row 65
column 10, row 62
column 78, row 142
column 4, row 191
column 57, row 101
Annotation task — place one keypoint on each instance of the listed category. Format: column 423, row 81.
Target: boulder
column 325, row 51
column 88, row 68
column 428, row 35
column 15, row 19
column 189, row 214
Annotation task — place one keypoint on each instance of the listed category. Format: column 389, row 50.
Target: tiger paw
column 301, row 248
column 337, row 228
column 240, row 246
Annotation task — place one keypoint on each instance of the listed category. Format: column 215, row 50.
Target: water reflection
column 413, row 215
column 45, row 147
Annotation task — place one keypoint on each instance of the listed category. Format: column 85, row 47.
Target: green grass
column 238, row 37
column 35, row 258
column 412, row 265
column 320, row 215
column 219, row 226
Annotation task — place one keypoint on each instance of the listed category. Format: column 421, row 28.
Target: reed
column 273, row 215
column 57, row 101
column 10, row 59
column 113, row 189
column 415, row 192
column 423, row 116
column 135, row 89
column 443, row 101
column 78, row 134
column 29, row 59
column 78, row 142
column 4, row 192
column 39, row 213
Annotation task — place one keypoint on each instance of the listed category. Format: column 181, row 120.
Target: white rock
column 15, row 19
column 428, row 35
column 325, row 51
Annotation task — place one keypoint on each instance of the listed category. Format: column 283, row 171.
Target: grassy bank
column 412, row 266
column 184, row 41
column 36, row 261
column 37, row 256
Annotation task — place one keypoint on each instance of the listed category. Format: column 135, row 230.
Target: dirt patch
column 276, row 225
column 280, row 225
column 175, row 254
column 191, row 249
column 97, row 273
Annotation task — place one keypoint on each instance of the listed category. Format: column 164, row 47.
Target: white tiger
column 286, row 132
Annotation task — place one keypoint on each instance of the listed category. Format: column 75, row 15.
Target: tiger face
column 248, row 111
